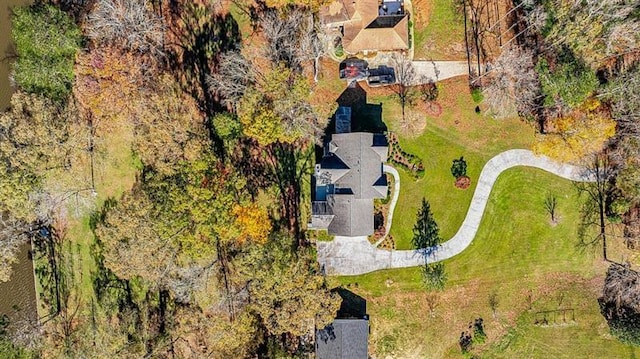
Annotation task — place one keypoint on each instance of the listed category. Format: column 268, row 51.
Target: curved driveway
column 355, row 255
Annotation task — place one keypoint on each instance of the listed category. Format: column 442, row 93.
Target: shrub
column 413, row 164
column 479, row 335
column 459, row 168
column 476, row 95
column 570, row 81
column 46, row 41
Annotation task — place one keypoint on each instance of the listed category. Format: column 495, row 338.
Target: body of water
column 6, row 49
column 18, row 296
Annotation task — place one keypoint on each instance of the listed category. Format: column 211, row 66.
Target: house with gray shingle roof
column 347, row 180
column 343, row 339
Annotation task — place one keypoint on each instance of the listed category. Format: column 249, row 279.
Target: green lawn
column 530, row 264
column 438, row 31
column 115, row 171
column 518, row 255
column 459, row 131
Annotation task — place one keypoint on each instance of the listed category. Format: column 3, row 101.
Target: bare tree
column 27, row 333
column 310, row 45
column 292, row 37
column 234, row 75
column 625, row 95
column 428, row 89
column 550, row 204
column 493, row 302
column 405, row 78
column 513, row 85
column 599, row 193
column 130, row 23
column 13, row 234
column 476, row 10
column 432, row 300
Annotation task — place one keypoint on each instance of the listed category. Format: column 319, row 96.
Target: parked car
column 354, row 69
column 380, row 76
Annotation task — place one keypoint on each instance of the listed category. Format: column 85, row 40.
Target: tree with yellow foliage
column 253, row 222
column 287, row 291
column 581, row 132
column 275, row 108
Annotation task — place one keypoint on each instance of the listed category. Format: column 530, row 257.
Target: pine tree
column 425, row 232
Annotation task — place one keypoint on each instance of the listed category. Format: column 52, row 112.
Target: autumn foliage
column 577, row 134
column 253, row 222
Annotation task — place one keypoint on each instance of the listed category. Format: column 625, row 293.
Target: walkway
column 355, row 255
column 394, row 200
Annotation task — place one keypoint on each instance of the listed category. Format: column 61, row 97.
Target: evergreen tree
column 425, row 232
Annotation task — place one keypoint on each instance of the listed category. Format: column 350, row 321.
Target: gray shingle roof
column 352, row 217
column 343, row 339
column 365, row 163
column 354, row 166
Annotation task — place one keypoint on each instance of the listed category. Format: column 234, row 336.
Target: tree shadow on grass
column 352, row 306
column 196, row 39
column 290, row 165
column 365, row 117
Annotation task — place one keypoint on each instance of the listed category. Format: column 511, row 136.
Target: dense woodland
column 204, row 253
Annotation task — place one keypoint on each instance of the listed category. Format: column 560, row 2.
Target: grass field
column 115, row 172
column 458, row 131
column 529, row 264
column 438, row 30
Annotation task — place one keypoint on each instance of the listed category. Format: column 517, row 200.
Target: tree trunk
column 602, row 230
column 466, row 35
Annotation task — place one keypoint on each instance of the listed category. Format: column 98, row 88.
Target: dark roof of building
column 365, row 164
column 352, row 217
column 385, row 21
column 354, row 167
column 343, row 339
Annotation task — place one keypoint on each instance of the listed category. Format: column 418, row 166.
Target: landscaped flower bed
column 413, row 164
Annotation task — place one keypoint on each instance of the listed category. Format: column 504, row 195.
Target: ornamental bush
column 459, row 168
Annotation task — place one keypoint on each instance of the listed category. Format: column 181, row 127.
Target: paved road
column 440, row 70
column 355, row 255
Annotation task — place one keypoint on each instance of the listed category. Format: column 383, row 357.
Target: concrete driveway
column 440, row 70
column 355, row 255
